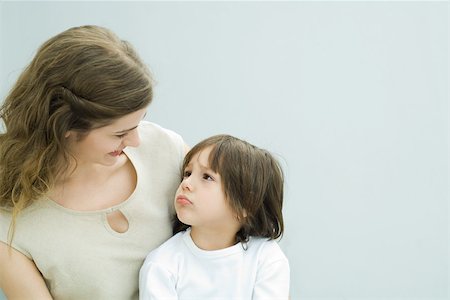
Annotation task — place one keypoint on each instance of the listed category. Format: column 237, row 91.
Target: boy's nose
column 186, row 184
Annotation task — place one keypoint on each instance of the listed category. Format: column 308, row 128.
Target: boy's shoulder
column 167, row 249
column 266, row 249
column 262, row 242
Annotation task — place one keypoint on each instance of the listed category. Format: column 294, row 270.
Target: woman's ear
column 68, row 133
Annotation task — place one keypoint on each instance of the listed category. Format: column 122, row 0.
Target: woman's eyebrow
column 126, row 130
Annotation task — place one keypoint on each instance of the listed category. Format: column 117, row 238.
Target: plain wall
column 352, row 97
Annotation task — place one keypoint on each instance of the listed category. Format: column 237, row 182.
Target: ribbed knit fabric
column 78, row 253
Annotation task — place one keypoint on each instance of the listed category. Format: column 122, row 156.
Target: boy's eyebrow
column 202, row 166
column 207, row 168
column 126, row 130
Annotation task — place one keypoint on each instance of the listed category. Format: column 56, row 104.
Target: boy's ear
column 243, row 215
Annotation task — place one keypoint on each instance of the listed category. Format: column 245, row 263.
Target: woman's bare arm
column 19, row 277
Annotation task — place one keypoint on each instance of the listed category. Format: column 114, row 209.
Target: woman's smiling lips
column 183, row 200
column 116, row 153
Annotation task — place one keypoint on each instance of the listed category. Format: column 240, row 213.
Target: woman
column 81, row 203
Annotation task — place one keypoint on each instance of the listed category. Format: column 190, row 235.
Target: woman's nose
column 132, row 139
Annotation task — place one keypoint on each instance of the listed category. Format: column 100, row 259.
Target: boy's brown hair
column 252, row 181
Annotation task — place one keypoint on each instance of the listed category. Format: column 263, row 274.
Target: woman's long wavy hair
column 252, row 181
column 81, row 79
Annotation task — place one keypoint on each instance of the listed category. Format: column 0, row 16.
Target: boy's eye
column 207, row 177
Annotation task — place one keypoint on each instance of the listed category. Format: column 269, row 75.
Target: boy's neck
column 212, row 240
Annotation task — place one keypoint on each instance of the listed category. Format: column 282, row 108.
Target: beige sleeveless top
column 79, row 255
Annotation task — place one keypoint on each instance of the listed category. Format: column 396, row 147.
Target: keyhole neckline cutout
column 117, row 221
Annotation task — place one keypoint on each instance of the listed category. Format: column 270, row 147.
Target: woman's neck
column 90, row 172
column 94, row 186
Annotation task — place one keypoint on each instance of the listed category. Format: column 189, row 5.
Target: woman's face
column 105, row 145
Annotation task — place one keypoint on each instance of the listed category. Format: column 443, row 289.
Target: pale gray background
column 351, row 96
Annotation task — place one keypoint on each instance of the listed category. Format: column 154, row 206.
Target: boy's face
column 200, row 200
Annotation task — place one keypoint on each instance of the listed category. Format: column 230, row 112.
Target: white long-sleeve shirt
column 178, row 269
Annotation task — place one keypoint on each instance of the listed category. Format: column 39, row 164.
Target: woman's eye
column 186, row 174
column 121, row 135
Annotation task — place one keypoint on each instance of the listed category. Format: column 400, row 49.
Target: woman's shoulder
column 150, row 129
column 27, row 225
column 157, row 138
column 5, row 221
column 32, row 210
